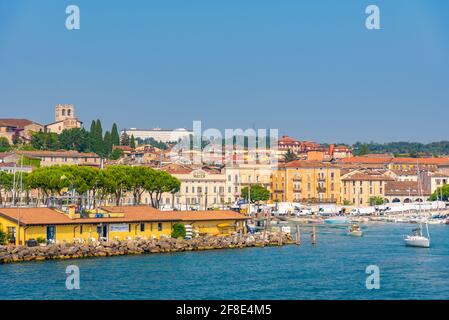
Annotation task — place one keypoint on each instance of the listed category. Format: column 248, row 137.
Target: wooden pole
column 313, row 235
column 298, row 235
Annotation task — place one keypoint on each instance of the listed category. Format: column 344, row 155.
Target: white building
column 158, row 134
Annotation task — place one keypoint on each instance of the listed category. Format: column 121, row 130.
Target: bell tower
column 64, row 111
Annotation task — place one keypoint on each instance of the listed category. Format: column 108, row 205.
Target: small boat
column 416, row 239
column 355, row 231
column 337, row 220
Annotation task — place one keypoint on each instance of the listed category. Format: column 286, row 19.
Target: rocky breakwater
column 10, row 253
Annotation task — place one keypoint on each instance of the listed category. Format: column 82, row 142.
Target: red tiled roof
column 404, row 188
column 17, row 123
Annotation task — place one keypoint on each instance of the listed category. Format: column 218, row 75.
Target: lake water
column 333, row 269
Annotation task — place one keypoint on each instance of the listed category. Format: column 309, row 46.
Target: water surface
column 333, row 269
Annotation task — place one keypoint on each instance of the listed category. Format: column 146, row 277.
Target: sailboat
column 417, row 239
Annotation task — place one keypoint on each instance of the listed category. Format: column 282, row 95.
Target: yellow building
column 114, row 223
column 306, row 181
column 359, row 186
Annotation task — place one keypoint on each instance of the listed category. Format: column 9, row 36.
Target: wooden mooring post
column 298, row 235
column 313, row 235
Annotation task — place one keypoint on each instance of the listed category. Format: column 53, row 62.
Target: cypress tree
column 93, row 129
column 115, row 138
column 99, row 143
column 124, row 141
column 107, row 144
column 132, row 143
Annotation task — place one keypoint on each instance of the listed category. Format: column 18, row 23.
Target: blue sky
column 308, row 68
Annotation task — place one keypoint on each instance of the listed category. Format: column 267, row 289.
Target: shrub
column 178, row 231
column 41, row 240
column 3, row 237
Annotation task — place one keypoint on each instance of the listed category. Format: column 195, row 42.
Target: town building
column 110, row 223
column 433, row 180
column 358, row 187
column 306, row 181
column 19, row 129
column 405, row 192
column 51, row 158
column 158, row 134
column 65, row 119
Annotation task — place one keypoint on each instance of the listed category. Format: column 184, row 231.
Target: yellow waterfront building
column 110, row 223
column 358, row 187
column 306, row 181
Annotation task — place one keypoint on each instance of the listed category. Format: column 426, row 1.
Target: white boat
column 417, row 239
column 337, row 220
column 355, row 231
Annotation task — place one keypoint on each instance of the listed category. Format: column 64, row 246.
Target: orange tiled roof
column 400, row 160
column 45, row 216
column 60, row 153
column 308, row 164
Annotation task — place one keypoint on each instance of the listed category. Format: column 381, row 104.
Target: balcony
column 297, row 190
column 297, row 179
column 321, row 179
column 321, row 189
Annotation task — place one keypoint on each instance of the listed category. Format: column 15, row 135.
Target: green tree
column 257, row 193
column 45, row 141
column 116, row 154
column 3, row 238
column 138, row 177
column 132, row 143
column 107, row 144
column 75, row 139
column 376, row 201
column 178, row 231
column 124, row 139
column 441, row 193
column 115, row 137
column 159, row 183
column 6, row 181
column 117, row 181
column 4, row 145
column 290, row 156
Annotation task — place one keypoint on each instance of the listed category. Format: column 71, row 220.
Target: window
column 159, row 226
column 187, row 189
column 142, row 227
column 81, row 229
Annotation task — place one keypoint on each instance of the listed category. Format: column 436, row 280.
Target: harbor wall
column 12, row 253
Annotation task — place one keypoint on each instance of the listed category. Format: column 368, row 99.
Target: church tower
column 64, row 111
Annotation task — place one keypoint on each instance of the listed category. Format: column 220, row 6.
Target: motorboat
column 337, row 220
column 355, row 230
